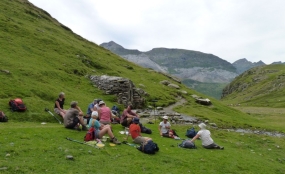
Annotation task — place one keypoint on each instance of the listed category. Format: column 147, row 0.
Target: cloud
column 230, row 29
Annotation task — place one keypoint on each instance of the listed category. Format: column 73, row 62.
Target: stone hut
column 123, row 88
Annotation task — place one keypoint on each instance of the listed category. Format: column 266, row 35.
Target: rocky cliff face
column 185, row 64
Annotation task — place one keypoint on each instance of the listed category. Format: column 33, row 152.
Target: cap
column 94, row 113
column 165, row 117
column 101, row 102
column 136, row 120
column 202, row 126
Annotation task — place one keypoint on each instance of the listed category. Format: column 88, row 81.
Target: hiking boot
column 115, row 141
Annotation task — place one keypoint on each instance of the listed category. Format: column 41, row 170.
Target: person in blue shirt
column 90, row 109
column 101, row 129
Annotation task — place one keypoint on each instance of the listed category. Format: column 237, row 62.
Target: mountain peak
column 111, row 45
column 243, row 65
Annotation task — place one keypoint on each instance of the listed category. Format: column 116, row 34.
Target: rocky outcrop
column 123, row 88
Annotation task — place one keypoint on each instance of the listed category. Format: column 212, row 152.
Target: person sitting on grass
column 101, row 129
column 164, row 129
column 128, row 116
column 90, row 109
column 205, row 136
column 104, row 113
column 135, row 132
column 58, row 106
column 74, row 117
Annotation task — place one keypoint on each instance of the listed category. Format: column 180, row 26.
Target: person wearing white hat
column 164, row 128
column 205, row 136
column 104, row 113
column 101, row 129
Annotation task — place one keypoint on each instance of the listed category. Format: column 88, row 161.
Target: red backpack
column 17, row 105
column 90, row 135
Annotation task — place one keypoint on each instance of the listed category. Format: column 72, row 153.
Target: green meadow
column 41, row 57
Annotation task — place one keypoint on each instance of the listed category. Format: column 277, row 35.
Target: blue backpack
column 187, row 144
column 190, row 133
column 148, row 147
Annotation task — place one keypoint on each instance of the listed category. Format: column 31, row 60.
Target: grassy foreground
column 36, row 148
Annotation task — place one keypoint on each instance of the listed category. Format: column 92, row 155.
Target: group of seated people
column 100, row 117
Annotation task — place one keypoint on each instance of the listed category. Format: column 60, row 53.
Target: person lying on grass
column 135, row 132
column 128, row 116
column 164, row 128
column 101, row 129
column 58, row 106
column 205, row 136
column 74, row 117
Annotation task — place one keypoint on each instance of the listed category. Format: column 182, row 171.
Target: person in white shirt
column 164, row 128
column 205, row 136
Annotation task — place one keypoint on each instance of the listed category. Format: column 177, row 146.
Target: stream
column 189, row 119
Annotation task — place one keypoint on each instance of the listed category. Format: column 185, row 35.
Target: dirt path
column 169, row 109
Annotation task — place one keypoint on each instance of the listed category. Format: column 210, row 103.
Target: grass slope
column 262, row 86
column 36, row 148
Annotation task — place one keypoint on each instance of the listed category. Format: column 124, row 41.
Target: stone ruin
column 123, row 88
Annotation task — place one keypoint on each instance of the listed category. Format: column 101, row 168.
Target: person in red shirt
column 135, row 132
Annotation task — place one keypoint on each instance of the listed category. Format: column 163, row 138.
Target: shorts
column 74, row 123
column 97, row 134
column 57, row 111
column 105, row 122
column 139, row 140
column 125, row 123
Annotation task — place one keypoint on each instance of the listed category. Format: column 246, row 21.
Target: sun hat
column 94, row 113
column 136, row 120
column 73, row 104
column 202, row 126
column 101, row 102
column 165, row 117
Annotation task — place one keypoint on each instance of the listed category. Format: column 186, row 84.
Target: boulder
column 203, row 101
column 165, row 82
column 173, row 86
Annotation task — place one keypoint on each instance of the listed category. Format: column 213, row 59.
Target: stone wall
column 124, row 89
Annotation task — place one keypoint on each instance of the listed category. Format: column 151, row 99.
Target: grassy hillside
column 262, row 86
column 44, row 57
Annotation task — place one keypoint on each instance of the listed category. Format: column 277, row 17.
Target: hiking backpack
column 3, row 117
column 190, row 133
column 90, row 135
column 144, row 129
column 148, row 147
column 187, row 144
column 17, row 105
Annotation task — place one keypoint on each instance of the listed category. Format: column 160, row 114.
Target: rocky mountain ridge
column 184, row 64
column 194, row 68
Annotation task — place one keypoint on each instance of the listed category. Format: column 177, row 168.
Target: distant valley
column 203, row 72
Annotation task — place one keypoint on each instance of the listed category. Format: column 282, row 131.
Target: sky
column 229, row 29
